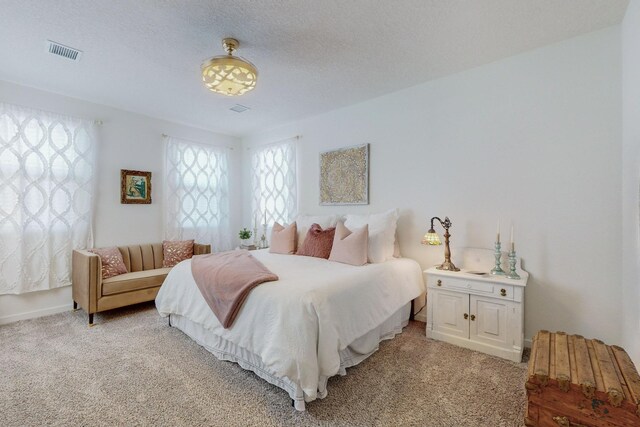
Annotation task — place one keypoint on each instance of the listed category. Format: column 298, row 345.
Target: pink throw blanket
column 225, row 280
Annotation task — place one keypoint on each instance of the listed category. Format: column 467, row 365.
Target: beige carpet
column 133, row 369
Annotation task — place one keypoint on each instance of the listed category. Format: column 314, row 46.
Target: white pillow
column 304, row 223
column 382, row 232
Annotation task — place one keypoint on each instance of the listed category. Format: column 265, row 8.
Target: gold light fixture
column 227, row 74
column 432, row 238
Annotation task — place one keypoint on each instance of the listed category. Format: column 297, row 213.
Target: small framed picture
column 135, row 187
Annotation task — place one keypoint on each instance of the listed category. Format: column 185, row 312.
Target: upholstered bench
column 145, row 274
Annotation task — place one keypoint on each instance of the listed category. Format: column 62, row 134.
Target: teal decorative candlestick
column 512, row 265
column 497, row 270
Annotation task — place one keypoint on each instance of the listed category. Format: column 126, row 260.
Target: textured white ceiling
column 312, row 55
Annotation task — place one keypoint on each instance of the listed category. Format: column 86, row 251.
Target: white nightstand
column 480, row 312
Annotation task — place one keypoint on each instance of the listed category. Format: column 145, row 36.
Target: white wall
column 127, row 141
column 631, row 179
column 533, row 139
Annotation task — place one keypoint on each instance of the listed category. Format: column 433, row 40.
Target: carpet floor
column 133, row 369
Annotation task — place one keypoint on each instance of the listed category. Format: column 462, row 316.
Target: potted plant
column 244, row 236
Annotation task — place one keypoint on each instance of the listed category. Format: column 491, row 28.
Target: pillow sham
column 350, row 247
column 283, row 239
column 318, row 242
column 304, row 222
column 382, row 232
column 174, row 251
column 112, row 261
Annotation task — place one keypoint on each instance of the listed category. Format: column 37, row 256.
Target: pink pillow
column 112, row 262
column 350, row 247
column 174, row 251
column 317, row 242
column 283, row 239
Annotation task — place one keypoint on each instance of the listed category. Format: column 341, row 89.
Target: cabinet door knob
column 466, row 316
column 503, row 292
column 473, row 317
column 439, row 282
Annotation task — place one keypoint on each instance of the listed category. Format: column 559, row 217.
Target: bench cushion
column 134, row 281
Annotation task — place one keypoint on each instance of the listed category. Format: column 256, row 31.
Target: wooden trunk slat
column 594, row 366
column 629, row 373
column 625, row 390
column 552, row 356
column 563, row 367
column 532, row 357
column 572, row 358
column 586, row 379
column 542, row 357
column 611, row 382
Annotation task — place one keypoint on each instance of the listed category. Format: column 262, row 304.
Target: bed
column 318, row 319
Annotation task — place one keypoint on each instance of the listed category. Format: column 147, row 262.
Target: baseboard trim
column 35, row 313
column 527, row 343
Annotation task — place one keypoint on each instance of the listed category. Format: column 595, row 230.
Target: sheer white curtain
column 274, row 183
column 196, row 193
column 47, row 167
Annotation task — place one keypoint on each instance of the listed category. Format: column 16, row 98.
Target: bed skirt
column 355, row 352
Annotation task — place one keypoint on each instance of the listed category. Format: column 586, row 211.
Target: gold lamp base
column 448, row 266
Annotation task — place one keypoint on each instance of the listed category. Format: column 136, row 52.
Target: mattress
column 317, row 319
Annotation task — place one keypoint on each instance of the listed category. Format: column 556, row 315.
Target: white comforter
column 298, row 324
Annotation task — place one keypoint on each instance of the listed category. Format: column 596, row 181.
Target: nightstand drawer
column 503, row 291
column 461, row 285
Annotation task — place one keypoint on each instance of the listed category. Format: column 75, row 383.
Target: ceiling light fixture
column 227, row 74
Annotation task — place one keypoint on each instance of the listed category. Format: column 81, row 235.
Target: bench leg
column 75, row 305
column 90, row 319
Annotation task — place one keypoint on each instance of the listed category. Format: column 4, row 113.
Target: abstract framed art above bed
column 344, row 176
column 318, row 319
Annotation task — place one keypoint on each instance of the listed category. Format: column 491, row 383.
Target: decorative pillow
column 174, row 251
column 350, row 247
column 304, row 222
column 317, row 242
column 283, row 239
column 112, row 262
column 382, row 232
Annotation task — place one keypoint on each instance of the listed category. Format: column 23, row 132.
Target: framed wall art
column 135, row 187
column 344, row 176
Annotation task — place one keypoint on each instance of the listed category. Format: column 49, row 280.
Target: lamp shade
column 227, row 74
column 431, row 238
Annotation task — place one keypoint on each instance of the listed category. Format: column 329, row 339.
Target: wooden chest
column 573, row 381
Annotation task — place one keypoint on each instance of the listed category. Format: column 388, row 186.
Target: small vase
column 245, row 242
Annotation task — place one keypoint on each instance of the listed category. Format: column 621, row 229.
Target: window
column 196, row 193
column 46, row 195
column 274, row 183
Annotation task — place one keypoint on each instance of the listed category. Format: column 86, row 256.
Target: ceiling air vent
column 239, row 108
column 64, row 51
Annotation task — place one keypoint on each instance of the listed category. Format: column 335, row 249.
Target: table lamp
column 432, row 238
